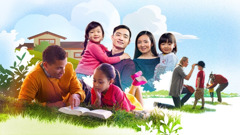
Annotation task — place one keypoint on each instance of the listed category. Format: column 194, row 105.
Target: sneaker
column 202, row 108
column 157, row 104
column 139, row 81
column 137, row 74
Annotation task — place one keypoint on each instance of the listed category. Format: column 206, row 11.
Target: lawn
column 10, row 110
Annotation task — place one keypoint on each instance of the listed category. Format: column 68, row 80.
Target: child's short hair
column 168, row 37
column 108, row 70
column 201, row 63
column 123, row 27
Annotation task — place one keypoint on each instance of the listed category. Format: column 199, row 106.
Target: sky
column 205, row 30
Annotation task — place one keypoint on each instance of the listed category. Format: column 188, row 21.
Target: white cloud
column 101, row 11
column 34, row 24
column 73, row 30
column 150, row 18
column 146, row 18
column 181, row 36
column 8, row 43
column 165, row 81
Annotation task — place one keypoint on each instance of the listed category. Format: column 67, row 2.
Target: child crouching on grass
column 104, row 92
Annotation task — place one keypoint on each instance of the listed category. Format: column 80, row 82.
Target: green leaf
column 9, row 72
column 23, row 55
column 25, row 72
column 19, row 58
column 2, row 69
column 21, row 68
column 4, row 77
column 15, row 64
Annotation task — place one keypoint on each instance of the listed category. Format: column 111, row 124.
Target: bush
column 43, row 45
column 11, row 81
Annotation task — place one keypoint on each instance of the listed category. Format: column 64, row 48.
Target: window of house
column 50, row 41
column 77, row 55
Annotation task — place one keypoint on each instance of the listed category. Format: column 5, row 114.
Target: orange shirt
column 44, row 89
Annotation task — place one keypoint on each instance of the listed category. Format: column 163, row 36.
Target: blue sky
column 205, row 30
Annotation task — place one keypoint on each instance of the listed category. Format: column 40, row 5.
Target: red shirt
column 219, row 79
column 201, row 75
column 114, row 97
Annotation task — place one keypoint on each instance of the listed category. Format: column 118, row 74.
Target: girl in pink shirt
column 104, row 92
column 94, row 53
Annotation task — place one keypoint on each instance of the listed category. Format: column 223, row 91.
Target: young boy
column 199, row 94
column 211, row 90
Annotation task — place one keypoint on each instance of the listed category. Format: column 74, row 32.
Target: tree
column 43, row 45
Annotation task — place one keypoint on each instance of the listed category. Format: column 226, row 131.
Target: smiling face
column 57, row 69
column 144, row 44
column 167, row 47
column 121, row 38
column 100, row 81
column 95, row 34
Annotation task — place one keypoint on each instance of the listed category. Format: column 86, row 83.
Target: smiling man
column 120, row 40
column 53, row 82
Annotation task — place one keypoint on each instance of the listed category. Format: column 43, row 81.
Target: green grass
column 156, row 94
column 165, row 94
column 4, row 117
column 188, row 109
column 38, row 57
column 215, row 103
column 122, row 119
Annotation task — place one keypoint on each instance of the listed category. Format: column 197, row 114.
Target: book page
column 100, row 113
column 76, row 110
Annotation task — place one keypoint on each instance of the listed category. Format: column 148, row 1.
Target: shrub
column 11, row 81
column 43, row 45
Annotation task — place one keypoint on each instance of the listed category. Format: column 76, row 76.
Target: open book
column 100, row 113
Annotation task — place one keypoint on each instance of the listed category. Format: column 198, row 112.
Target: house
column 73, row 49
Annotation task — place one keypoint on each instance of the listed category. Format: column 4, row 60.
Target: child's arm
column 99, row 52
column 198, row 83
column 95, row 98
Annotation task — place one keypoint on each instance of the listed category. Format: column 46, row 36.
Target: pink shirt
column 94, row 55
column 114, row 97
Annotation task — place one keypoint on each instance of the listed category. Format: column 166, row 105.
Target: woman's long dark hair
column 89, row 27
column 137, row 53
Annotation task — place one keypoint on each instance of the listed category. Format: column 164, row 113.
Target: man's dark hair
column 122, row 27
column 53, row 53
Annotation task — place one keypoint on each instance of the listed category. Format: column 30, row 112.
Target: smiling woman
column 145, row 56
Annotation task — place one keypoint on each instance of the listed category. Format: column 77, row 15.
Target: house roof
column 72, row 45
column 30, row 46
column 47, row 32
column 64, row 45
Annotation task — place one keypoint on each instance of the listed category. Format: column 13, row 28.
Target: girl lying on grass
column 104, row 92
